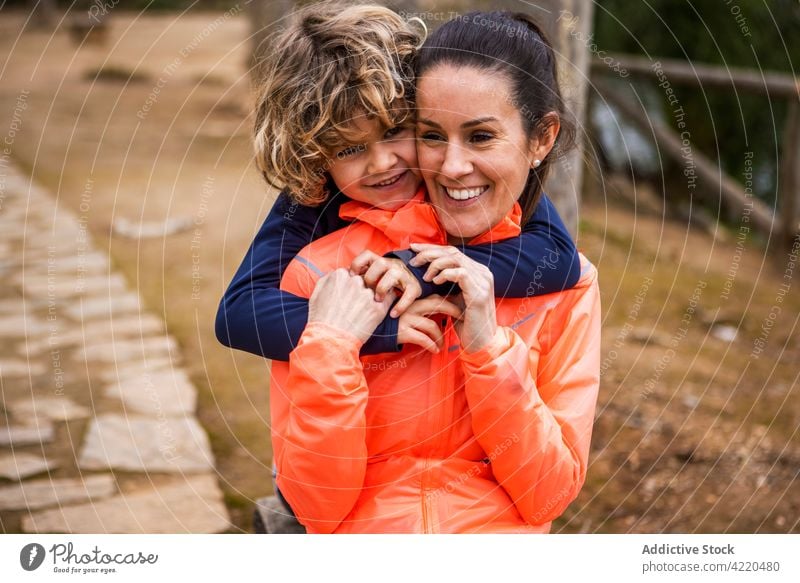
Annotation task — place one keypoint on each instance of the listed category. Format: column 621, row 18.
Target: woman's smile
column 463, row 194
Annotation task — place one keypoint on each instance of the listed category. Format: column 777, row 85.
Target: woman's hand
column 415, row 327
column 478, row 324
column 341, row 300
column 384, row 274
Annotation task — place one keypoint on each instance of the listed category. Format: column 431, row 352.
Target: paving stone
column 70, row 336
column 127, row 350
column 93, row 263
column 10, row 230
column 44, row 247
column 14, row 306
column 190, row 505
column 35, row 259
column 136, row 325
column 41, row 209
column 32, row 349
column 103, row 307
column 35, row 494
column 20, row 368
column 21, row 435
column 69, row 285
column 15, row 201
column 20, row 465
column 16, row 184
column 20, row 218
column 139, row 444
column 53, row 408
column 54, row 231
column 126, row 370
column 23, row 325
column 11, row 265
column 156, row 394
column 93, row 332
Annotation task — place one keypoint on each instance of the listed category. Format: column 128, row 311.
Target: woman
column 491, row 434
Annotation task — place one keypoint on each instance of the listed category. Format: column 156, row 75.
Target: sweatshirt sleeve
column 542, row 260
column 321, row 453
column 533, row 404
column 254, row 315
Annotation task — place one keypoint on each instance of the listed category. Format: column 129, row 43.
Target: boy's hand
column 384, row 274
column 415, row 327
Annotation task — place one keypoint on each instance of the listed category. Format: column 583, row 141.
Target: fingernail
column 393, row 313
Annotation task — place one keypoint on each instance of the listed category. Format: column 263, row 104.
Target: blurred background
column 132, row 118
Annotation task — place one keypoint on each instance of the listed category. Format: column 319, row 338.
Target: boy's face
column 381, row 168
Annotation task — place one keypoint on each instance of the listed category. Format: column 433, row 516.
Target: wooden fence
column 784, row 220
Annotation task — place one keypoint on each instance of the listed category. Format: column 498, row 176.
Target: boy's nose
column 382, row 158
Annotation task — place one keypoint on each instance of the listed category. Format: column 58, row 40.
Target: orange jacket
column 493, row 441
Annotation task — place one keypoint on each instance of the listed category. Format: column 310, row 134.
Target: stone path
column 98, row 432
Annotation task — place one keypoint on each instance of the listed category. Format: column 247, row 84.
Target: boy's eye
column 350, row 151
column 393, row 132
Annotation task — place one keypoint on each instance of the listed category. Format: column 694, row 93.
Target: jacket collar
column 417, row 222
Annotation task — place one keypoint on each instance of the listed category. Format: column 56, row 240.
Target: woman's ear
column 544, row 138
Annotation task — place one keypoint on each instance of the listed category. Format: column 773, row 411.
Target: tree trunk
column 43, row 14
column 266, row 18
column 566, row 22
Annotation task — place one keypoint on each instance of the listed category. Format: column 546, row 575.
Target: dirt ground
column 695, row 432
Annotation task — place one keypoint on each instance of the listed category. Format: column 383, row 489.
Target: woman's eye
column 431, row 137
column 479, row 137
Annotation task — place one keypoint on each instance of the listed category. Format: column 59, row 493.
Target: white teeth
column 389, row 181
column 464, row 193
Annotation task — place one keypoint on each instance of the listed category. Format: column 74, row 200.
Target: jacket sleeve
column 322, row 458
column 254, row 315
column 542, row 260
column 533, row 405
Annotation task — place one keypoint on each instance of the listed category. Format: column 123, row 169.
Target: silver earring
column 537, row 163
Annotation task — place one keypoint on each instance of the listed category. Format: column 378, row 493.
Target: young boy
column 333, row 123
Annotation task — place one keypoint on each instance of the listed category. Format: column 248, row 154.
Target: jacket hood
column 417, row 221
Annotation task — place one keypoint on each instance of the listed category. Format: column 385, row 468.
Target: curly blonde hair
column 333, row 62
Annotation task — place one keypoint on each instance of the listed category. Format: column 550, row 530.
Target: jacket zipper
column 438, row 400
column 426, row 509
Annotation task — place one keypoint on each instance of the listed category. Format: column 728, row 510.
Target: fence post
column 789, row 177
column 569, row 24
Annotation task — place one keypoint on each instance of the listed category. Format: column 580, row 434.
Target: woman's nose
column 456, row 162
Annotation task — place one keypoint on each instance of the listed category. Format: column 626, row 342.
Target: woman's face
column 473, row 150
